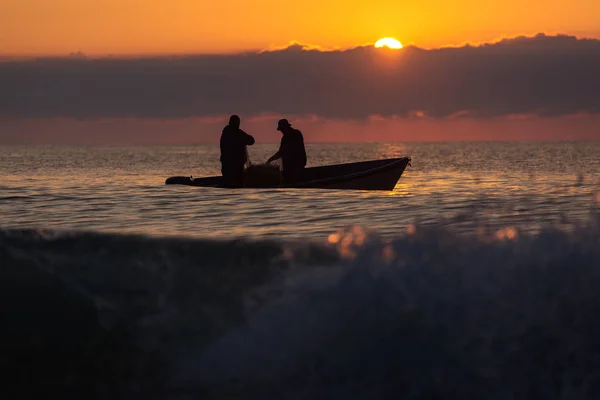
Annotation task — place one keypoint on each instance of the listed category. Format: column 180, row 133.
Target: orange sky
column 98, row 27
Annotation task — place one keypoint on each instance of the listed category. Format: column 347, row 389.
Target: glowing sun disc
column 388, row 42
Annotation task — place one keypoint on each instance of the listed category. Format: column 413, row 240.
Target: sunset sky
column 531, row 74
column 100, row 27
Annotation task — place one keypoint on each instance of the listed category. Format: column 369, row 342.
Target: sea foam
column 425, row 314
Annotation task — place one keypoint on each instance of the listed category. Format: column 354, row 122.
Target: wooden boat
column 365, row 175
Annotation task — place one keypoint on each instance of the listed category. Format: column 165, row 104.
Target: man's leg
column 229, row 176
column 239, row 176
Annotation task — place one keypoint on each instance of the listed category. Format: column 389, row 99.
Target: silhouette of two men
column 234, row 154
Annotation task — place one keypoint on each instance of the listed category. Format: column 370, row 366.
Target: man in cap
column 291, row 151
column 233, row 153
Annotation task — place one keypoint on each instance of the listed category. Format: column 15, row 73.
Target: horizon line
column 275, row 143
column 291, row 44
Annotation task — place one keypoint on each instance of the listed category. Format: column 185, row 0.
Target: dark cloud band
column 542, row 75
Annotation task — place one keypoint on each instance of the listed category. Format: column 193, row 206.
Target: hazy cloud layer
column 544, row 76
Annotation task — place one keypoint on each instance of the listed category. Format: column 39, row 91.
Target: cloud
column 541, row 76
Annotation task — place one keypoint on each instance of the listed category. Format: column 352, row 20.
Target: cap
column 283, row 123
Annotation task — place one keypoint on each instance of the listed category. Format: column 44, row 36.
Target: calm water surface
column 462, row 185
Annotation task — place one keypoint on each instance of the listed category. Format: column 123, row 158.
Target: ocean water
column 476, row 277
column 520, row 185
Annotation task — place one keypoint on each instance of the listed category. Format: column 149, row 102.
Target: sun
column 388, row 42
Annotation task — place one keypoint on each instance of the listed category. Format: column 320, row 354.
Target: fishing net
column 262, row 175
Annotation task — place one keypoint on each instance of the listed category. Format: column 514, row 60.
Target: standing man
column 233, row 153
column 291, row 151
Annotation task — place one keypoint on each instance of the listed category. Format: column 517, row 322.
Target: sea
column 476, row 277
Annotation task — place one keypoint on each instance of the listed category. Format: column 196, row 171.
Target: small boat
column 364, row 175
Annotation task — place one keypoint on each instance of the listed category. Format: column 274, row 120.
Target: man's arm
column 277, row 155
column 274, row 157
column 247, row 139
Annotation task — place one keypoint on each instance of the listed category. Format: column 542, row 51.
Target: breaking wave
column 426, row 314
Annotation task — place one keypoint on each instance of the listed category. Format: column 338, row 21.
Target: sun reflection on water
column 459, row 185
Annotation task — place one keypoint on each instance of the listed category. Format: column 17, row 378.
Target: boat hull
column 365, row 175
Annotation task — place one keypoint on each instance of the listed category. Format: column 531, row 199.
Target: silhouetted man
column 291, row 151
column 233, row 152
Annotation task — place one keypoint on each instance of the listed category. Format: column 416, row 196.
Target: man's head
column 283, row 125
column 234, row 121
